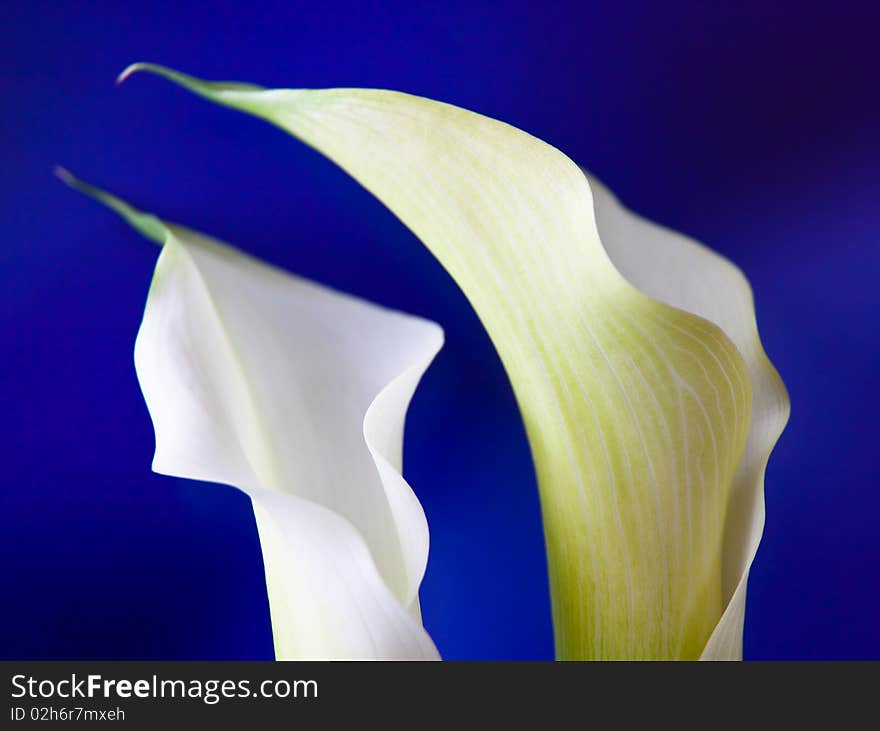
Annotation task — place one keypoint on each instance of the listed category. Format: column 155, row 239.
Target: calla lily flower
column 649, row 404
column 295, row 394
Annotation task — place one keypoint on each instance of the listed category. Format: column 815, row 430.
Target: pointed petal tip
column 126, row 72
column 151, row 68
column 73, row 182
column 213, row 90
column 192, row 83
column 64, row 175
column 133, row 69
column 147, row 224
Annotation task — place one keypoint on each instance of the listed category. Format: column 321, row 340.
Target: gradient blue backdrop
column 750, row 125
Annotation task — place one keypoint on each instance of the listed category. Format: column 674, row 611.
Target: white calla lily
column 295, row 394
column 650, row 424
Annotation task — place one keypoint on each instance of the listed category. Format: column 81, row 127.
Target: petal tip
column 64, row 175
column 133, row 69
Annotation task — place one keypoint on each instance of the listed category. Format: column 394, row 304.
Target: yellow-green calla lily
column 296, row 395
column 649, row 404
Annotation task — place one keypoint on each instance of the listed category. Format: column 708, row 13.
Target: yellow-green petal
column 681, row 272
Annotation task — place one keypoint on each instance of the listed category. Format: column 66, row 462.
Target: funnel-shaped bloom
column 295, row 394
column 648, row 402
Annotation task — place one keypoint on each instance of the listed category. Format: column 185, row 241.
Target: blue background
column 752, row 126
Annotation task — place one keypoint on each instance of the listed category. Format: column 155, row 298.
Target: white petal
column 681, row 272
column 297, row 395
column 327, row 599
column 262, row 380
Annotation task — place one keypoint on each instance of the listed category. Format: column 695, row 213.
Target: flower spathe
column 295, row 394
